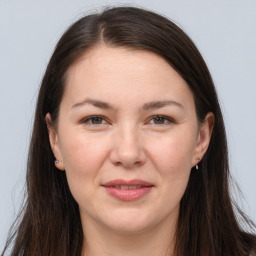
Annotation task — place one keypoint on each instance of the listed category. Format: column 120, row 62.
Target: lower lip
column 128, row 194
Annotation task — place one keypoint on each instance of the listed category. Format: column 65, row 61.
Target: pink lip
column 128, row 194
column 120, row 182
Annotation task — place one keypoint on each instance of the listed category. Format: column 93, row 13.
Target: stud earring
column 60, row 166
column 198, row 159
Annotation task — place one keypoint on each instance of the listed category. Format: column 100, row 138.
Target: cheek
column 83, row 153
column 83, row 158
column 173, row 154
column 172, row 158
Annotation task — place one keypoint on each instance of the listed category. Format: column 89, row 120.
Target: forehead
column 122, row 60
column 121, row 74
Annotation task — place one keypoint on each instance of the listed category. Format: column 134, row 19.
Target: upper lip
column 120, row 182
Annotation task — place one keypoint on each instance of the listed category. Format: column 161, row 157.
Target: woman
column 128, row 154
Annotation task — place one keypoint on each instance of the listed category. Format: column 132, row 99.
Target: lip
column 120, row 182
column 128, row 194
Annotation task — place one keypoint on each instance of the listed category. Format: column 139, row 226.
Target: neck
column 155, row 241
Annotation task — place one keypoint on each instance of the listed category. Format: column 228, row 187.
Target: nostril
column 127, row 151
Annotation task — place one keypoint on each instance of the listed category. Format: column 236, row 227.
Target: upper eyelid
column 163, row 116
column 83, row 120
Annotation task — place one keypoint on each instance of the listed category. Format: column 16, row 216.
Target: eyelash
column 89, row 118
column 166, row 118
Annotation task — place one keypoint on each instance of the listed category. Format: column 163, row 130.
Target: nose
column 127, row 150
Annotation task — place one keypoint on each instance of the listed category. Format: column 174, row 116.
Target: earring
column 198, row 159
column 60, row 166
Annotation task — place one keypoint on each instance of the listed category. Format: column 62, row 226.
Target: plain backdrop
column 224, row 31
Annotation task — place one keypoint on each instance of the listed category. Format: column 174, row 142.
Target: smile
column 123, row 187
column 128, row 190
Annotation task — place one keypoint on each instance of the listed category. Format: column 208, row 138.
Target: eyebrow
column 96, row 103
column 146, row 106
column 160, row 104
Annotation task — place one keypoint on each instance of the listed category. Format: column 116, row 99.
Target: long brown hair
column 49, row 224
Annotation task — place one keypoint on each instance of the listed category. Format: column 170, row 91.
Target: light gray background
column 224, row 31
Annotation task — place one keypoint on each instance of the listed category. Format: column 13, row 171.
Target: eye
column 161, row 120
column 94, row 120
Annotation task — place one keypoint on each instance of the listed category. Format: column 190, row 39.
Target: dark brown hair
column 49, row 224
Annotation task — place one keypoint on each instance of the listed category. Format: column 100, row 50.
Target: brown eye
column 94, row 120
column 160, row 120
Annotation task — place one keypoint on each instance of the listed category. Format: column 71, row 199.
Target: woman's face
column 127, row 136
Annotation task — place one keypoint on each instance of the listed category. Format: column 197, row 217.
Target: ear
column 53, row 138
column 204, row 137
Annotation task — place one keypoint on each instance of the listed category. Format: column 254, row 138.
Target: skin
column 128, row 142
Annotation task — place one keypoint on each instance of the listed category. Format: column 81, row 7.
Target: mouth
column 124, row 187
column 128, row 190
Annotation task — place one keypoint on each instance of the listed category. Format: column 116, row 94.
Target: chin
column 127, row 229
column 130, row 222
